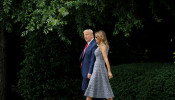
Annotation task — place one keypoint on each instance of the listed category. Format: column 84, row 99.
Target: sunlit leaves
column 51, row 15
column 63, row 11
column 41, row 4
column 45, row 15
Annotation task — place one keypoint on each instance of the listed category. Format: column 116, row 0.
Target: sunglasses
column 96, row 37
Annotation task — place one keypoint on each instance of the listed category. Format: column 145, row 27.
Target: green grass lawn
column 144, row 81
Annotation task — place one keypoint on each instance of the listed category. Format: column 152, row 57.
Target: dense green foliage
column 144, row 81
column 52, row 30
column 37, row 76
column 5, row 16
column 49, row 15
column 138, row 81
column 48, row 61
column 42, row 78
column 46, row 73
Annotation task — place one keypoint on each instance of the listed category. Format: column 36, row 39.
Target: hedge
column 144, row 81
column 138, row 81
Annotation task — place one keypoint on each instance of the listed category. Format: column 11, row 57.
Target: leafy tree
column 53, row 29
column 69, row 18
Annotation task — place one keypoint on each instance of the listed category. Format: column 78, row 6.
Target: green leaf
column 63, row 11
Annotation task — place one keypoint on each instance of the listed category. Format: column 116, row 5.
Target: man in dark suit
column 87, row 58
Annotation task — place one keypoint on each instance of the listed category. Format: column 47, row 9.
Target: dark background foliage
column 45, row 39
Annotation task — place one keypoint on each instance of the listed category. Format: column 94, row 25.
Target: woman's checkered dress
column 99, row 86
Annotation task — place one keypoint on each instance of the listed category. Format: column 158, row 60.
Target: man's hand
column 89, row 76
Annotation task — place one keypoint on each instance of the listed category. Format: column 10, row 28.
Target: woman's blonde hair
column 102, row 35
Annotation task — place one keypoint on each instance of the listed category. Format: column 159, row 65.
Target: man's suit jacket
column 88, row 59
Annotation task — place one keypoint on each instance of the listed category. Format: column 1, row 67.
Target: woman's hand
column 110, row 75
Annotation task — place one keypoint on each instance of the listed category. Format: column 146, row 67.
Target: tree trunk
column 3, row 82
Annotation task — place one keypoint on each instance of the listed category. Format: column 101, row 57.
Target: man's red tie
column 84, row 52
column 85, row 49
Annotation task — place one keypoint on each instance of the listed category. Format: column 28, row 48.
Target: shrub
column 44, row 75
column 146, row 81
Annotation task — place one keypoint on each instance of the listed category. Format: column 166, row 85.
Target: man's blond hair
column 88, row 30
